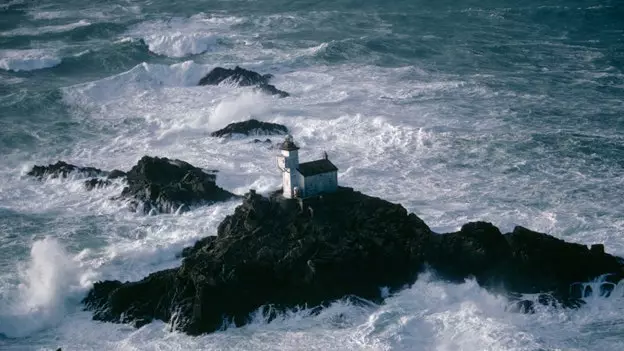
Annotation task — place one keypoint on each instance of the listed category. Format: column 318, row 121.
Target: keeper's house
column 301, row 180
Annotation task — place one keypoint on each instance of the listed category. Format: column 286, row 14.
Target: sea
column 504, row 111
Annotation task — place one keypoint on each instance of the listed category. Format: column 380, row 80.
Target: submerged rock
column 95, row 183
column 242, row 77
column 286, row 253
column 251, row 127
column 270, row 89
column 165, row 185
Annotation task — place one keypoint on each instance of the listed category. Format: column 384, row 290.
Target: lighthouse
column 287, row 162
column 301, row 180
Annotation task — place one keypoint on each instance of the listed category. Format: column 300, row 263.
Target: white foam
column 28, row 60
column 431, row 315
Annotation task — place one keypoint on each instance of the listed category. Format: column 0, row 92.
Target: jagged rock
column 284, row 253
column 62, row 169
column 242, row 77
column 95, row 183
column 238, row 75
column 155, row 184
column 476, row 250
column 115, row 173
column 251, row 127
column 164, row 185
column 270, row 89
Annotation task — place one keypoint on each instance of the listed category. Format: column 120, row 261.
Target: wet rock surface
column 250, row 127
column 284, row 253
column 165, row 185
column 242, row 77
column 154, row 185
column 62, row 169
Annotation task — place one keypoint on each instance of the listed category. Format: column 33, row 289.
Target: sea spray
column 46, row 283
column 240, row 107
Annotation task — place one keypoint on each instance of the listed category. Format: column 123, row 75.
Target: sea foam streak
column 28, row 60
column 35, row 31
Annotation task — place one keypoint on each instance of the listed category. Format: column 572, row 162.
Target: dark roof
column 288, row 145
column 316, row 167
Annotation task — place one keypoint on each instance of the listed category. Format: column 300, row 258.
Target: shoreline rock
column 286, row 253
column 166, row 186
column 62, row 169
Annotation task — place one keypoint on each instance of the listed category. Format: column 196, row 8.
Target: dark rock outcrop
column 63, row 170
column 251, row 127
column 155, row 184
column 242, row 77
column 165, row 185
column 284, row 253
column 238, row 75
column 272, row 252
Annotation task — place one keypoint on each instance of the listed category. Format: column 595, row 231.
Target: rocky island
column 302, row 246
column 153, row 185
column 250, row 127
column 244, row 78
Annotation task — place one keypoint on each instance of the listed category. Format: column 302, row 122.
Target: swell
column 106, row 59
column 36, row 120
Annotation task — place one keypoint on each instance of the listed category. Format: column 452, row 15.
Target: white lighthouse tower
column 288, row 161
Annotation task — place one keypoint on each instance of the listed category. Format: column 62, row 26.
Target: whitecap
column 28, row 60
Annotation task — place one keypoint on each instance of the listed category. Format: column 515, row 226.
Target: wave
column 180, row 37
column 178, row 44
column 28, row 59
column 109, row 57
column 140, row 78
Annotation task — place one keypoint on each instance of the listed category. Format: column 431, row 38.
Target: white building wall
column 290, row 178
column 319, row 183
